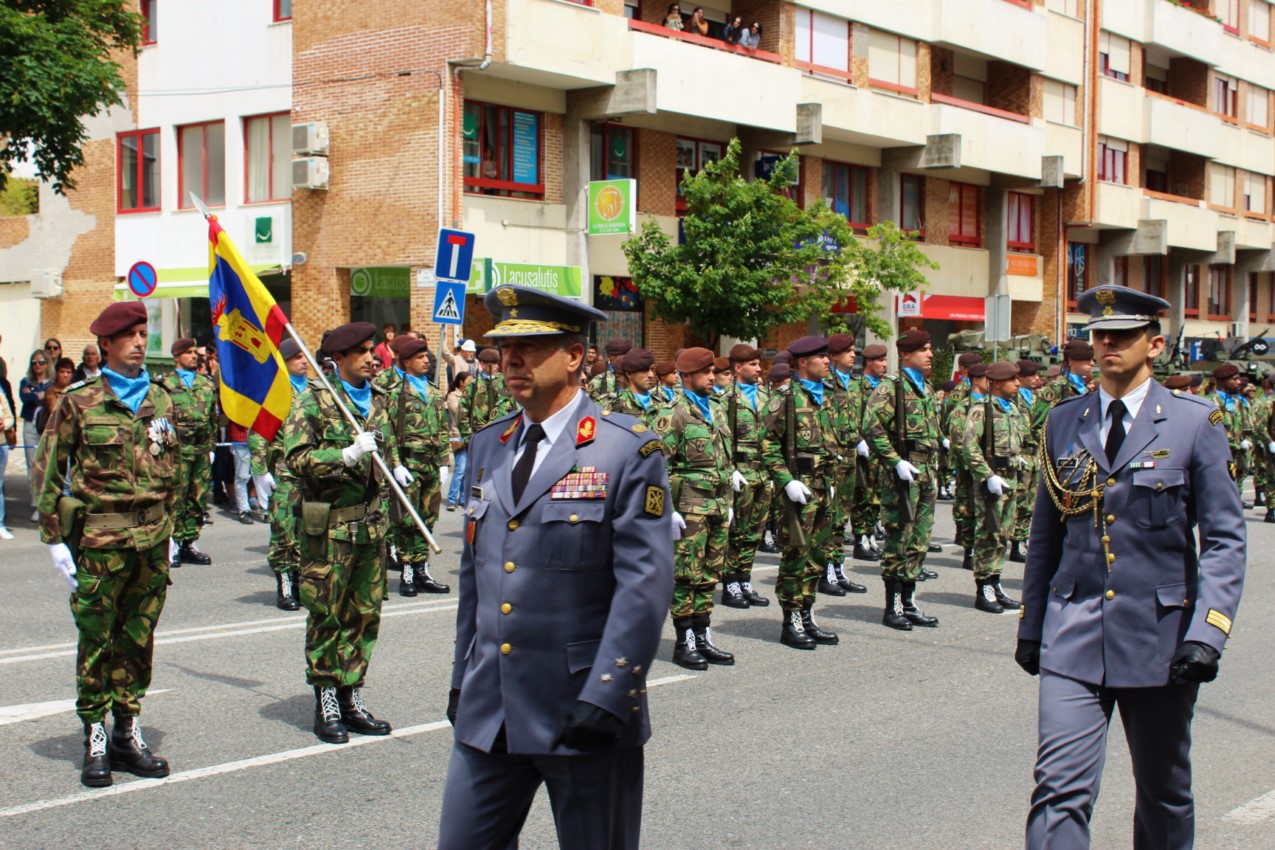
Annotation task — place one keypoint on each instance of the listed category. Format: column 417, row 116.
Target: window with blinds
column 1259, row 20
column 963, row 214
column 1060, row 102
column 1222, row 185
column 1255, row 193
column 823, row 42
column 892, row 61
column 1114, row 55
column 1256, row 106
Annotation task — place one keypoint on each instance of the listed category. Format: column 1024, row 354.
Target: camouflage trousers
column 989, row 546
column 752, row 507
column 803, row 555
column 285, row 546
column 866, row 512
column 1243, row 466
column 116, row 608
column 1025, row 497
column 427, row 499
column 964, row 507
column 193, row 481
column 699, row 556
column 842, row 509
column 907, row 545
column 1261, row 468
column 343, row 595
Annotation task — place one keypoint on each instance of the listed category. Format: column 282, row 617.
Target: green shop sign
column 556, row 280
column 612, row 207
column 380, row 282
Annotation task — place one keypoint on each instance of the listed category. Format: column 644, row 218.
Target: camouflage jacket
column 955, row 430
column 119, row 463
column 1031, row 439
column 485, row 401
column 951, row 401
column 1234, row 418
column 847, row 417
column 744, row 439
column 698, row 459
column 1059, row 389
column 1009, row 431
column 814, row 441
column 652, row 417
column 313, row 438
column 421, row 429
column 194, row 410
column 605, row 386
column 921, row 422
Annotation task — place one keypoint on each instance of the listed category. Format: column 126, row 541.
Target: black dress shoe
column 927, row 574
column 755, row 599
column 705, row 647
column 685, row 652
column 846, row 584
column 822, row 636
column 733, row 595
column 794, row 632
column 327, row 717
column 1018, row 552
column 130, row 753
column 96, row 770
column 426, row 583
column 189, row 554
column 355, row 716
column 985, row 598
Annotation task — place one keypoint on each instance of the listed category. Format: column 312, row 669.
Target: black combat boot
column 1018, row 552
column 685, row 653
column 934, row 548
column 327, row 717
column 828, row 582
column 846, row 584
column 755, row 599
column 985, row 597
column 285, row 595
column 864, row 550
column 913, row 613
column 130, row 753
column 426, row 583
column 190, row 554
column 733, row 594
column 878, row 533
column 176, row 560
column 812, row 628
column 354, row 714
column 967, row 562
column 1270, row 515
column 893, row 616
column 704, row 642
column 926, row 575
column 1006, row 601
column 407, row 581
column 768, row 539
column 96, row 770
column 794, row 633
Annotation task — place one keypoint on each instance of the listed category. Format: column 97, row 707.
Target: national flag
column 247, row 327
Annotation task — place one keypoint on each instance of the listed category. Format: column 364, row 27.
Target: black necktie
column 522, row 469
column 1115, row 437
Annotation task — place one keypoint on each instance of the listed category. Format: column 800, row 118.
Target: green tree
column 56, row 67
column 20, row 197
column 892, row 261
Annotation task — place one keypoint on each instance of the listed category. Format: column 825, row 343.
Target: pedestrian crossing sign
column 449, row 303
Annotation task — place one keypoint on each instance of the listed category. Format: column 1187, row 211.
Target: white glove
column 64, row 563
column 832, row 493
column 444, row 473
column 797, row 492
column 996, row 485
column 1245, row 445
column 173, row 548
column 906, row 471
column 364, row 443
column 947, row 444
column 862, row 448
column 679, row 525
column 265, row 486
column 730, row 515
column 738, row 481
column 1270, row 447
column 402, row 476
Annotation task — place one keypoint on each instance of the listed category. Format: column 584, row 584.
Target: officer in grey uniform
column 565, row 580
column 1120, row 609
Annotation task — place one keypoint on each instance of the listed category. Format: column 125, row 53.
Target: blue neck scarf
column 669, row 395
column 131, row 391
column 187, row 376
column 421, row 384
column 843, row 377
column 966, row 380
column 360, row 397
column 750, row 393
column 918, row 380
column 1077, row 382
column 485, row 376
column 815, row 388
column 872, row 382
column 1227, row 400
column 977, row 397
column 1027, row 395
column 298, row 383
column 400, row 372
column 718, row 390
column 1004, row 404
column 700, row 401
column 643, row 399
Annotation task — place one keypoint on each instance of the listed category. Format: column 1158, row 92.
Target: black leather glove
column 453, row 703
column 589, row 728
column 1027, row 654
column 1193, row 662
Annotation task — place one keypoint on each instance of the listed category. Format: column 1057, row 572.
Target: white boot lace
column 328, row 705
column 97, row 739
column 138, row 742
column 733, row 589
column 690, row 640
column 795, row 622
column 356, row 702
column 988, row 593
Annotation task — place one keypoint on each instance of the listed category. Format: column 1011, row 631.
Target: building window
column 692, row 155
column 845, row 190
column 1255, row 193
column 764, row 167
column 1113, row 56
column 1220, row 293
column 1252, row 296
column 1226, row 96
column 1222, row 185
column 1077, row 270
column 1060, row 102
column 823, row 43
column 1113, row 160
column 137, row 167
column 201, row 152
column 1229, row 12
column 1153, row 275
column 150, row 22
column 1255, row 107
column 613, row 152
column 969, row 78
column 963, row 214
column 1191, row 292
column 283, row 10
column 1021, row 232
column 268, row 157
column 502, row 151
column 1270, row 298
column 632, row 10
column 892, row 62
column 1120, row 271
column 912, row 204
column 1259, row 20
column 1071, row 8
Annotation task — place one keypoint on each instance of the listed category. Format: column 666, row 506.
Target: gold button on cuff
column 509, row 566
column 1186, row 603
column 573, row 518
column 1111, row 482
column 506, row 648
column 513, row 525
column 1111, row 594
column 506, row 608
column 1111, row 518
column 1159, row 485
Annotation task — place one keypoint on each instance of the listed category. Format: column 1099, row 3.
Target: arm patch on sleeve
column 650, row 447
column 1219, row 620
column 1216, row 416
column 654, row 501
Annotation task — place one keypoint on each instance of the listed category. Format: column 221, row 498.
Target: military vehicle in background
column 1022, row 347
column 1252, row 356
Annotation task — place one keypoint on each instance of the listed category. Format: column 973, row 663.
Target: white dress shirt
column 553, row 426
column 1132, row 402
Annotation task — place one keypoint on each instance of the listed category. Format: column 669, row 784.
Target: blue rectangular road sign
column 455, row 255
column 449, row 303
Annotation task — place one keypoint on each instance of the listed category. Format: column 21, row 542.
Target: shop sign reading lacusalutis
column 555, row 280
column 612, row 207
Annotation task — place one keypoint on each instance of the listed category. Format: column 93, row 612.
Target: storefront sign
column 909, row 305
column 612, row 207
column 526, row 148
column 557, row 280
column 380, row 282
column 957, row 308
column 1021, row 265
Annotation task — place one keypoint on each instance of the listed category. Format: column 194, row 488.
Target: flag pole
column 349, row 416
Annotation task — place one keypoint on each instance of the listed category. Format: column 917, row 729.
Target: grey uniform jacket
column 1118, row 624
column 562, row 596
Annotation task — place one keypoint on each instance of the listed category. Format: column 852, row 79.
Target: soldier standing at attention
column 697, row 443
column 847, row 410
column 997, row 476
column 195, row 417
column 1226, row 396
column 905, row 434
column 723, row 377
column 965, row 493
column 954, row 398
column 565, row 581
column 281, row 495
column 486, row 397
column 1127, row 613
column 742, row 407
column 867, row 499
column 1029, row 382
column 343, row 526
column 639, row 400
column 1078, row 361
column 115, row 435
column 607, row 385
column 418, row 418
column 798, row 448
column 669, row 384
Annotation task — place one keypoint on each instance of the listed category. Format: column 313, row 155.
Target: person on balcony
column 751, row 36
column 673, row 20
column 733, row 30
column 698, row 25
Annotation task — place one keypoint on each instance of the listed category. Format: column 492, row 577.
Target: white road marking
column 1254, row 811
column 668, row 680
column 32, row 710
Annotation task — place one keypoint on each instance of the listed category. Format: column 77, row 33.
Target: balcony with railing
column 1185, row 31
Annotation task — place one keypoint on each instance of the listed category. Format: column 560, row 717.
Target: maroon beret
column 783, row 357
column 977, row 370
column 968, row 359
column 779, row 372
column 1027, row 368
column 637, row 360
column 694, row 360
column 489, row 355
column 1177, row 382
column 289, row 348
column 837, row 343
column 874, row 351
column 665, row 367
column 181, row 346
column 410, row 347
column 118, row 317
column 347, row 336
column 616, row 347
column 1053, row 371
column 1002, row 370
column 947, row 386
column 1197, row 380
column 742, row 352
column 808, row 346
column 1078, row 349
column 721, row 364
column 1226, row 370
column 913, row 340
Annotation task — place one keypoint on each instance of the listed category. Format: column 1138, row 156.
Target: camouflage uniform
column 604, row 387
column 964, row 493
column 195, row 417
column 122, row 466
column 485, row 400
column 653, row 415
column 1059, row 389
column 949, row 462
column 1235, row 420
column 1010, row 432
column 342, row 558
column 847, row 422
column 421, row 433
column 752, row 502
column 867, row 499
column 1025, row 401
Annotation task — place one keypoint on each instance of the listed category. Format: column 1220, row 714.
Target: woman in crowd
column 31, row 394
column 460, row 451
column 384, row 356
column 6, row 422
column 751, row 37
column 733, row 30
column 699, row 26
column 673, row 20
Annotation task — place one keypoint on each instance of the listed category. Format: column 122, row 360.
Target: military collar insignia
column 586, row 431
column 509, row 432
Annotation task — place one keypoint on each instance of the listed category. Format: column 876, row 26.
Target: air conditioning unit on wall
column 311, row 138
column 310, row 172
column 46, row 283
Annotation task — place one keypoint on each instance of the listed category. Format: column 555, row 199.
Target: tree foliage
column 752, row 259
column 20, row 197
column 55, row 69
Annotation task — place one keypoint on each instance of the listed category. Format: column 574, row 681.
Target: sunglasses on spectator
column 53, row 348
column 38, row 362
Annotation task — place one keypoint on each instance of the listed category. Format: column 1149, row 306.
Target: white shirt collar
column 1132, row 400
column 556, row 422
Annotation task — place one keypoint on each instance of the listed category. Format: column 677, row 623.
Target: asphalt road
column 921, row 740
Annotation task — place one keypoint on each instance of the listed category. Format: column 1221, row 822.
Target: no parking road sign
column 142, row 279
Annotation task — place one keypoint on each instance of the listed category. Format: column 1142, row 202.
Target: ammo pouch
column 998, row 462
column 743, row 457
column 805, row 464
column 71, row 522
column 314, row 526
